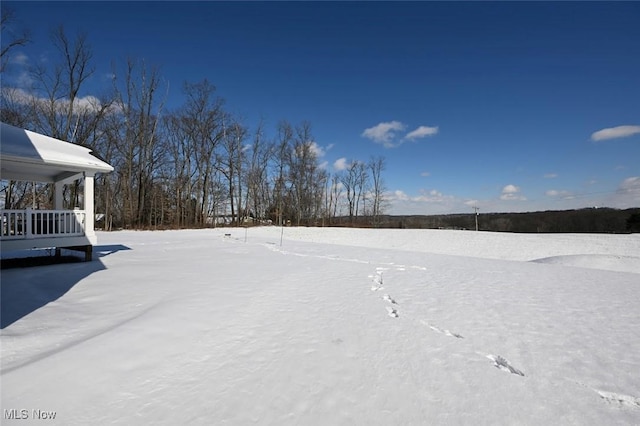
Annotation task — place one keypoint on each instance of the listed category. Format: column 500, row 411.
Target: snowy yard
column 333, row 327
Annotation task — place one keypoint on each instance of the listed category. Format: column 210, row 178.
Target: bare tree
column 305, row 175
column 282, row 152
column 349, row 180
column 257, row 179
column 335, row 195
column 361, row 186
column 177, row 169
column 14, row 111
column 230, row 165
column 376, row 167
column 10, row 38
column 59, row 110
column 54, row 105
column 200, row 126
column 136, row 138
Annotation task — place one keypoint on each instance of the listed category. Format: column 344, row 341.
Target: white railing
column 30, row 224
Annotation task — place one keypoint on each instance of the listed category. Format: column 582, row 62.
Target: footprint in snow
column 389, row 299
column 441, row 331
column 446, row 332
column 392, row 312
column 502, row 364
column 617, row 398
column 613, row 397
column 377, row 282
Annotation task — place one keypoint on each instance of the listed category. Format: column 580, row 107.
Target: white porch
column 21, row 228
column 32, row 157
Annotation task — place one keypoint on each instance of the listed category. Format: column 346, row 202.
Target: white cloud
column 425, row 174
column 19, row 64
column 510, row 189
column 626, row 196
column 550, row 176
column 323, row 165
column 18, row 96
column 400, row 195
column 20, row 59
column 426, row 202
column 384, row 133
column 615, row 132
column 316, row 149
column 558, row 193
column 88, row 103
column 432, row 196
column 511, row 193
column 421, row 132
column 24, row 79
column 82, row 104
column 340, row 164
column 630, row 185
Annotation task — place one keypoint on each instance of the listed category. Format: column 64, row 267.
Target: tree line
column 587, row 220
column 195, row 165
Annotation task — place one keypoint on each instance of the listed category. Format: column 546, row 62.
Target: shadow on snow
column 24, row 290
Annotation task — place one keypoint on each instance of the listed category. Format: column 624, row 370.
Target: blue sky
column 508, row 106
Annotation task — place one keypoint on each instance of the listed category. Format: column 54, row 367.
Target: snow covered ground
column 334, row 326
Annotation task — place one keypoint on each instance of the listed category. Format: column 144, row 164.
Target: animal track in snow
column 441, row 331
column 392, row 312
column 389, row 299
column 617, row 398
column 502, row 364
column 613, row 397
column 377, row 285
column 377, row 280
column 446, row 332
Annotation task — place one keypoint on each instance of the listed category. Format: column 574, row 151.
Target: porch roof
column 30, row 156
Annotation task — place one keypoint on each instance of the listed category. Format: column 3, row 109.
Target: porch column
column 88, row 205
column 58, row 188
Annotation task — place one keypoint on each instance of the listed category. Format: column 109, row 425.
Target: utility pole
column 476, row 209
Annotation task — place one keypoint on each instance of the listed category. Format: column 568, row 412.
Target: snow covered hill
column 333, row 326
